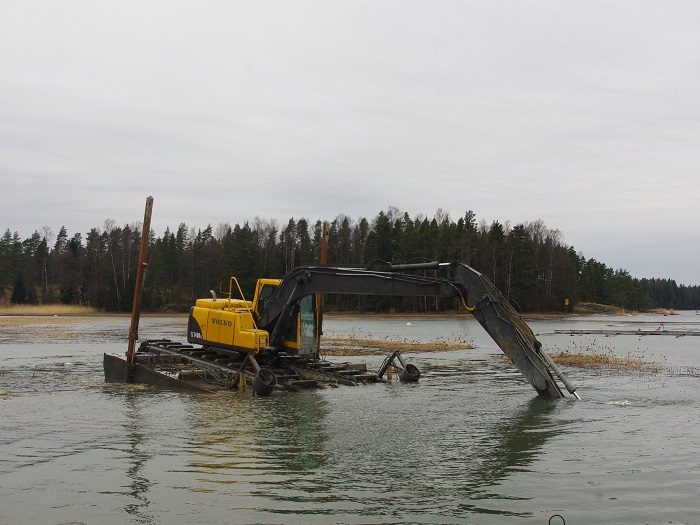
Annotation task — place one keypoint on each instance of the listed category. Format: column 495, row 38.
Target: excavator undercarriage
column 167, row 364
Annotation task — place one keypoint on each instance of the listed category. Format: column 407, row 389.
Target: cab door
column 301, row 335
column 307, row 325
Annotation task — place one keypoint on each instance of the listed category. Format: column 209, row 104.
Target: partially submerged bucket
column 410, row 374
column 264, row 382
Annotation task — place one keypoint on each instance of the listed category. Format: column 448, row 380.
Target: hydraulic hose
column 571, row 388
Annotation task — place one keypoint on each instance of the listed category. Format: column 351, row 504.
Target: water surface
column 469, row 443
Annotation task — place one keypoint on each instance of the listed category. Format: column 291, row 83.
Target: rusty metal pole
column 135, row 309
column 323, row 259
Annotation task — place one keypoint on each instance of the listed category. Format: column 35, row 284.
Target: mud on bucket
column 264, row 382
column 410, row 374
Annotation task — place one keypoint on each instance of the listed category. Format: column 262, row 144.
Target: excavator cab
column 301, row 334
column 264, row 290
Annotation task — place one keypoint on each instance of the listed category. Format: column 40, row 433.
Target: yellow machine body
column 230, row 323
column 230, row 326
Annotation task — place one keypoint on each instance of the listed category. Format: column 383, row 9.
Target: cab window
column 266, row 294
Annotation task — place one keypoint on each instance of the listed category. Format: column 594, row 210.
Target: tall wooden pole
column 323, row 259
column 140, row 271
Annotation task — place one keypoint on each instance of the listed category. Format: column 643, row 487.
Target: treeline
column 528, row 262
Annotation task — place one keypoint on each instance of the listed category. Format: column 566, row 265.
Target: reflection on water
column 259, row 448
column 255, row 440
column 385, row 454
column 517, row 439
column 140, row 485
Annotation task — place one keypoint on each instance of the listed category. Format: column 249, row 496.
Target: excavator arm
column 474, row 291
column 510, row 332
column 306, row 280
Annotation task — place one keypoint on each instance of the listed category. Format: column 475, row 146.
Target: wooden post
column 323, row 259
column 135, row 309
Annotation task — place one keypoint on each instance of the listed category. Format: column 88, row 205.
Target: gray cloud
column 584, row 114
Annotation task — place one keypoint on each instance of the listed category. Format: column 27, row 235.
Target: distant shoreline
column 581, row 309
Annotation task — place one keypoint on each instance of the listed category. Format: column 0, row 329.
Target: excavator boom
column 475, row 292
column 306, row 280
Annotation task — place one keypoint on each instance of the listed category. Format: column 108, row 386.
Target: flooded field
column 469, row 443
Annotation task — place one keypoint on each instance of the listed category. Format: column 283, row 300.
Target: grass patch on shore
column 47, row 309
column 602, row 357
column 608, row 361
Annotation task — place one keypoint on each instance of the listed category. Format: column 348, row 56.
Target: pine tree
column 19, row 292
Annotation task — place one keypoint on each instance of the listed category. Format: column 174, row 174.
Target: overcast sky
column 583, row 114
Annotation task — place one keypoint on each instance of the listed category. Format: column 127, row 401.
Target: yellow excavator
column 273, row 341
column 280, row 328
